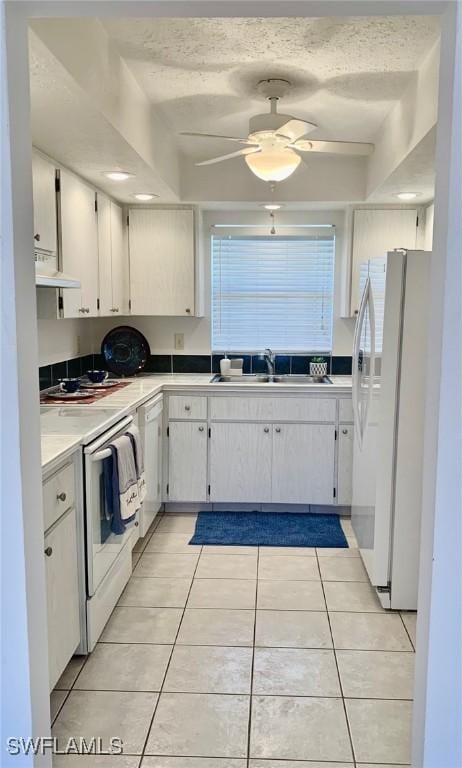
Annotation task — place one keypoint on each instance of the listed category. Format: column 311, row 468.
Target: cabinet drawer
column 58, row 494
column 184, row 407
column 272, row 409
column 345, row 410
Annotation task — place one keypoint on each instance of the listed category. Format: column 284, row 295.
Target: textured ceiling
column 415, row 174
column 346, row 73
column 66, row 126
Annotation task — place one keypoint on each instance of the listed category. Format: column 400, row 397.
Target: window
column 272, row 291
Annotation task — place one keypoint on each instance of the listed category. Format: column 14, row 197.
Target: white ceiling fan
column 274, row 140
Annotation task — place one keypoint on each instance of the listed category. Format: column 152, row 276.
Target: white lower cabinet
column 240, row 462
column 345, row 464
column 248, row 458
column 62, row 583
column 303, row 463
column 187, row 461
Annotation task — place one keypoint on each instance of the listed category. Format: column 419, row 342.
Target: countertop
column 65, row 428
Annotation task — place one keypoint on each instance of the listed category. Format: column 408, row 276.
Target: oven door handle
column 93, row 450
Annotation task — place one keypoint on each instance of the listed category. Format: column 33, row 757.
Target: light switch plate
column 179, row 340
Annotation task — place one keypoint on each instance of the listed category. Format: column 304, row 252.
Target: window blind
column 272, row 291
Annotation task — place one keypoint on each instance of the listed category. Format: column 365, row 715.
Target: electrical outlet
column 179, row 340
column 78, row 345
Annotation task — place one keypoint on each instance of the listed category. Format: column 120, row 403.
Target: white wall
column 437, row 736
column 160, row 331
column 62, row 339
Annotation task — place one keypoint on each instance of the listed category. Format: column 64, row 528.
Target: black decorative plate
column 125, row 351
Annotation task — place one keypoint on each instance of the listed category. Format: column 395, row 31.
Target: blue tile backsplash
column 49, row 375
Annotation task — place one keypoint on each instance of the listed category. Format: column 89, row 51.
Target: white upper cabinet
column 374, row 233
column 162, row 261
column 79, row 245
column 45, row 218
column 113, row 258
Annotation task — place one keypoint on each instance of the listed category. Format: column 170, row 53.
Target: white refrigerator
column 389, row 374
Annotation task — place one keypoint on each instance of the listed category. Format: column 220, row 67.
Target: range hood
column 56, row 279
column 47, row 273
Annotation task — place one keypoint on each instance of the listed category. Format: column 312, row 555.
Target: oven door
column 103, row 546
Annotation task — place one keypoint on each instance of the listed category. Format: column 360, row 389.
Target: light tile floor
column 237, row 657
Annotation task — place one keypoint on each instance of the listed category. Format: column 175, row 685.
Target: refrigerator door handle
column 370, row 302
column 356, row 345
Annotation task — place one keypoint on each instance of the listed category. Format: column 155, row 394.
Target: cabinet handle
column 187, row 407
column 266, row 429
column 201, row 429
column 188, row 311
column 136, row 523
column 344, row 431
column 37, row 237
column 278, row 429
column 49, row 551
column 61, row 496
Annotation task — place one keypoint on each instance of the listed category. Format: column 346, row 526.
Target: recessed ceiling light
column 144, row 196
column 272, row 206
column 118, row 175
column 406, row 195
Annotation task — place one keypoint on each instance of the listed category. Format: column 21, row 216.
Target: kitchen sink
column 255, row 378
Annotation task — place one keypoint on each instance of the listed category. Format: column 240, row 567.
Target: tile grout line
column 407, row 632
column 338, row 670
column 167, row 667
column 87, row 657
column 249, row 727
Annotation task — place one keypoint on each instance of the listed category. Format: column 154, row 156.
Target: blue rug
column 269, row 529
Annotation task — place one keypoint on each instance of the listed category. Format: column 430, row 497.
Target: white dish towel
column 134, row 433
column 128, row 480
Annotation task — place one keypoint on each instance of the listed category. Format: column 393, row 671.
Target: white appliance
column 150, row 426
column 108, row 556
column 389, row 372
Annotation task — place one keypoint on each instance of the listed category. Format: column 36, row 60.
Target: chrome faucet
column 268, row 357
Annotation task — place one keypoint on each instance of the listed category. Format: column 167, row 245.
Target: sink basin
column 249, row 378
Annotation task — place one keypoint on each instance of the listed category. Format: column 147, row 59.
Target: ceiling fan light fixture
column 273, row 164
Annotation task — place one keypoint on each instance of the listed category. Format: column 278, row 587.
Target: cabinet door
column 62, row 584
column 303, row 463
column 345, row 464
column 112, row 258
column 240, row 462
column 187, row 461
column 44, row 188
column 159, row 463
column 79, row 242
column 104, row 254
column 161, row 249
column 119, row 261
column 374, row 233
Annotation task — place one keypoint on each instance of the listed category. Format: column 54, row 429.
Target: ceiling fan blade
column 215, row 136
column 333, row 147
column 240, row 152
column 295, row 129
